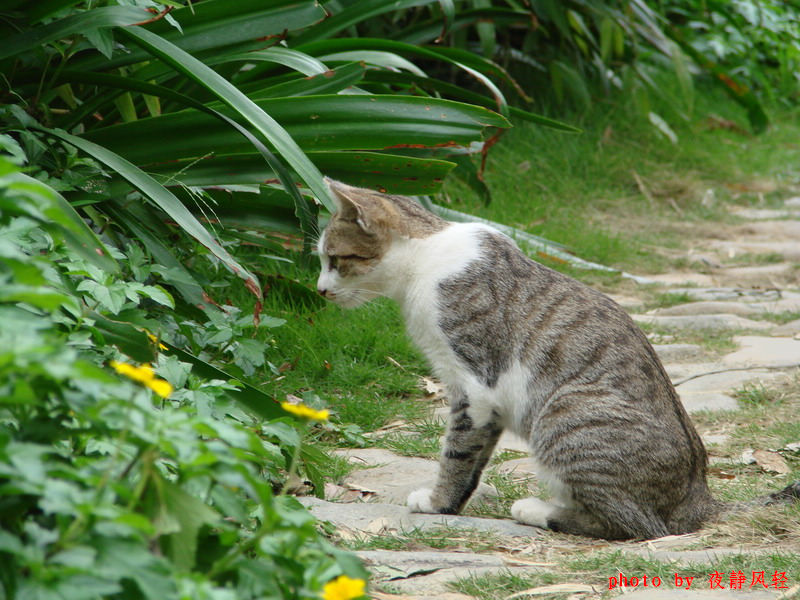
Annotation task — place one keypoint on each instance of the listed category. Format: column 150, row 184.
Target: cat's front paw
column 420, row 501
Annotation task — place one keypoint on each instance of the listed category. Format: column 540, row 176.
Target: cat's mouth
column 348, row 298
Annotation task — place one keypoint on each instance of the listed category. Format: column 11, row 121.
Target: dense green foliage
column 114, row 485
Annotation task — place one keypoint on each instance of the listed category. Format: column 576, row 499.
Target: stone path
column 726, row 297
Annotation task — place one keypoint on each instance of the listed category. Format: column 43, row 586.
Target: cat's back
column 501, row 310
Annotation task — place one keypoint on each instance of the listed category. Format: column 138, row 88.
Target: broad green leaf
column 329, row 82
column 126, row 337
column 390, row 172
column 41, row 297
column 339, row 122
column 136, row 219
column 57, row 216
column 189, row 514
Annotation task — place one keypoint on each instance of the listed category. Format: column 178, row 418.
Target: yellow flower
column 154, row 339
column 160, row 386
column 306, row 412
column 344, row 588
column 143, row 375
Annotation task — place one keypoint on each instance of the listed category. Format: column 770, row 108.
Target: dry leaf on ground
column 771, row 462
column 431, row 387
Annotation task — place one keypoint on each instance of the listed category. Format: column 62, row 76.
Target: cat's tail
column 788, row 495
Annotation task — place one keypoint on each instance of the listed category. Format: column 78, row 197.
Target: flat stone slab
column 771, row 230
column 373, row 517
column 428, row 572
column 678, row 352
column 773, row 275
column 789, row 250
column 711, row 307
column 709, row 401
column 764, row 214
column 729, row 293
column 793, row 202
column 710, row 322
column 788, row 302
column 725, row 381
column 764, row 351
column 687, row 278
column 390, row 477
column 790, row 329
column 714, row 391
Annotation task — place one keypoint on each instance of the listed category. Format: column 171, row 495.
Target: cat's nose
column 322, row 292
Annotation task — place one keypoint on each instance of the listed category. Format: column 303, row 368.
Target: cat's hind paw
column 532, row 511
column 419, row 501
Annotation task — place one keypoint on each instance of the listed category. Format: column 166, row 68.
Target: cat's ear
column 347, row 205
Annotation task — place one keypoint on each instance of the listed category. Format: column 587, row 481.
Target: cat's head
column 358, row 238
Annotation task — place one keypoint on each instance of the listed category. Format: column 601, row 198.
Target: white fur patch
column 532, row 511
column 419, row 501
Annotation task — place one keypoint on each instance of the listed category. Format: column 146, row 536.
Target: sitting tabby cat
column 522, row 347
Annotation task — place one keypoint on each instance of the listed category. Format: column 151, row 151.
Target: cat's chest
column 422, row 324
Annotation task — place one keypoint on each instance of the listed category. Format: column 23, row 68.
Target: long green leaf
column 391, row 172
column 215, row 27
column 427, row 31
column 164, row 199
column 459, row 93
column 318, row 123
column 468, row 63
column 299, row 61
column 107, row 16
column 355, row 13
column 241, row 105
column 329, row 82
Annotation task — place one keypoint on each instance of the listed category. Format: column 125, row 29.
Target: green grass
column 359, row 362
column 421, row 438
column 758, row 394
column 436, row 538
column 780, row 317
column 581, row 190
column 714, row 341
column 667, row 299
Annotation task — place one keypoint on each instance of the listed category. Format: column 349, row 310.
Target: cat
column 519, row 346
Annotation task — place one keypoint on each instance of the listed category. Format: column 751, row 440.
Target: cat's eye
column 333, row 261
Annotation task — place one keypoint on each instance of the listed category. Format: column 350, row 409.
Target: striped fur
column 524, row 348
